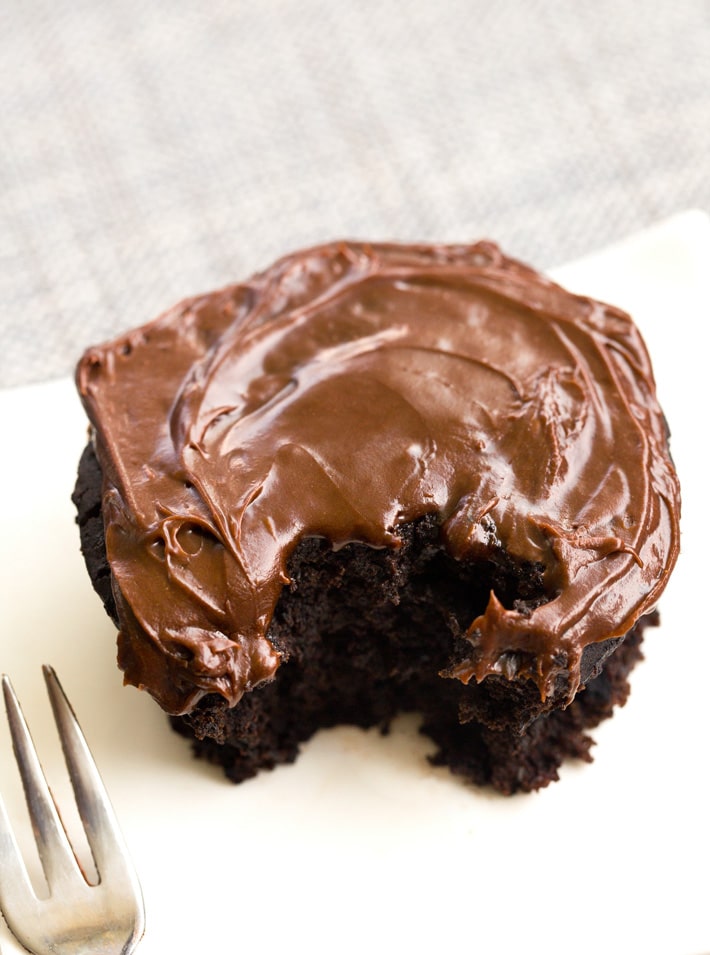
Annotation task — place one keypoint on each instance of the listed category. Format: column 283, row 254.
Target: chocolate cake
column 376, row 479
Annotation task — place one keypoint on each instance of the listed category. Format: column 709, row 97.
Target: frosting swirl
column 350, row 389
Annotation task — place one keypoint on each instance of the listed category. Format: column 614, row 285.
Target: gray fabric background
column 151, row 150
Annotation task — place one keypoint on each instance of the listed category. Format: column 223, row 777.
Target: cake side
column 364, row 634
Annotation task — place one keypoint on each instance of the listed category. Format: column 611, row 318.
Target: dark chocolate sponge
column 362, row 653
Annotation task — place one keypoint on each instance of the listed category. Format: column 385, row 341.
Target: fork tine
column 55, row 852
column 77, row 917
column 14, row 882
column 95, row 809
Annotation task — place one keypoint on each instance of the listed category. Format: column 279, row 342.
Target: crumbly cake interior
column 367, row 633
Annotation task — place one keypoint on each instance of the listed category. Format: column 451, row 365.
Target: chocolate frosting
column 350, row 389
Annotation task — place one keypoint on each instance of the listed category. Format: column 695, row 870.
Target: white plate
column 361, row 846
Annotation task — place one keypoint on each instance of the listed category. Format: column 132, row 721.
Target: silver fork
column 78, row 917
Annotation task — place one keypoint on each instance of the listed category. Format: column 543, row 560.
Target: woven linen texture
column 149, row 151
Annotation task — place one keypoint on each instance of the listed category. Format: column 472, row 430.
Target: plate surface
column 361, row 845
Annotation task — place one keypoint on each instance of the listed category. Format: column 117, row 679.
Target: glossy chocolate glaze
column 350, row 389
